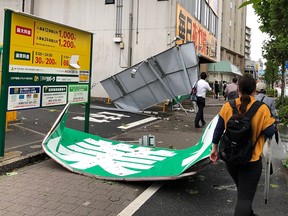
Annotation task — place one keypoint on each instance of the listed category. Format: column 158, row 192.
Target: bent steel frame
column 163, row 76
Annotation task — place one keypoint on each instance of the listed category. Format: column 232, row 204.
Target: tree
column 271, row 74
column 272, row 15
column 276, row 51
column 273, row 19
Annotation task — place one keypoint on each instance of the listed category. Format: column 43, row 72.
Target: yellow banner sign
column 37, row 45
column 189, row 29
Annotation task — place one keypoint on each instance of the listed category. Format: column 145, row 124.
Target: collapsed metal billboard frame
column 163, row 76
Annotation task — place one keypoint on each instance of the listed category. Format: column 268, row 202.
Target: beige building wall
column 8, row 4
column 233, row 33
column 129, row 31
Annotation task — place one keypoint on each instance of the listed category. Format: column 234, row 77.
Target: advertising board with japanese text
column 50, row 56
column 41, row 59
column 23, row 97
column 78, row 93
column 43, row 47
column 54, row 95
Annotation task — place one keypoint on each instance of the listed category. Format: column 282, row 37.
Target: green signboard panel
column 92, row 155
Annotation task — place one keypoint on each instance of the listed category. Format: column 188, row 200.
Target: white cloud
column 257, row 37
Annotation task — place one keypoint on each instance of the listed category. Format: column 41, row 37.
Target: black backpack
column 236, row 144
column 232, row 95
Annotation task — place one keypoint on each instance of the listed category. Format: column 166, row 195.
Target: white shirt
column 202, row 88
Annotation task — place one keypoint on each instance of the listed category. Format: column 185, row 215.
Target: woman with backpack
column 245, row 175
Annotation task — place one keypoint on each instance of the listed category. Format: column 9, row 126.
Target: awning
column 224, row 67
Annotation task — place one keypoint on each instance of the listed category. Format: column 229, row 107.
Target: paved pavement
column 45, row 188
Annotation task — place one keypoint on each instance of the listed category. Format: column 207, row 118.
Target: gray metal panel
column 163, row 76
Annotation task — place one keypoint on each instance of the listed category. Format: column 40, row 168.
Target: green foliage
column 285, row 163
column 280, row 103
column 273, row 19
column 272, row 15
column 271, row 92
column 271, row 74
column 282, row 107
column 275, row 51
column 249, row 2
column 283, row 114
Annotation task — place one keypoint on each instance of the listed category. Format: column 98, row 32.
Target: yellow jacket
column 260, row 121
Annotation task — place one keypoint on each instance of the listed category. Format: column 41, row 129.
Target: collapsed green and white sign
column 88, row 154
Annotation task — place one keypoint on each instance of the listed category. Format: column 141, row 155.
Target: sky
column 257, row 37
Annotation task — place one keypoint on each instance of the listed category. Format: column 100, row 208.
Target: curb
column 19, row 162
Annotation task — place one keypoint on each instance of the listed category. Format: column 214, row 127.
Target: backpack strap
column 253, row 109
column 262, row 98
column 250, row 113
column 233, row 105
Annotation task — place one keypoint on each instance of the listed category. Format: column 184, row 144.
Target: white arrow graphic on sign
column 115, row 159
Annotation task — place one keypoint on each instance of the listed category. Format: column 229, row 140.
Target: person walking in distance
column 261, row 96
column 246, row 176
column 223, row 90
column 202, row 88
column 231, row 90
column 216, row 89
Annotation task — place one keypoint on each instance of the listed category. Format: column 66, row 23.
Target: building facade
column 130, row 31
column 233, row 33
column 254, row 68
column 247, row 42
column 249, row 64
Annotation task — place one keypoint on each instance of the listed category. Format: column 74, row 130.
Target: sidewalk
column 45, row 188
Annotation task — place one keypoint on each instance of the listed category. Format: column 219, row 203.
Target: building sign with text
column 189, row 29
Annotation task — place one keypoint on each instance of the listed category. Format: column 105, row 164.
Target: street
column 142, row 56
column 46, row 188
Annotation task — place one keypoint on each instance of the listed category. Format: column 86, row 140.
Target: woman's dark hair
column 203, row 75
column 247, row 86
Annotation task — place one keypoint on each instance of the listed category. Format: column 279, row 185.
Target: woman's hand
column 214, row 153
